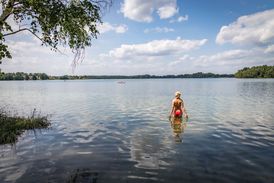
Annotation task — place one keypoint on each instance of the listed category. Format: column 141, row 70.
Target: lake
column 110, row 131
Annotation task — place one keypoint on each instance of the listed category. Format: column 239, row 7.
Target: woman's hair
column 177, row 93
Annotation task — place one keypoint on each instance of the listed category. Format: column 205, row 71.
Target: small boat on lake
column 121, row 82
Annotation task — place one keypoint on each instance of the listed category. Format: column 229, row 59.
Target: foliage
column 53, row 22
column 23, row 76
column 13, row 126
column 263, row 71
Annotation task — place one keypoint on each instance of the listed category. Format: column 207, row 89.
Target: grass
column 11, row 127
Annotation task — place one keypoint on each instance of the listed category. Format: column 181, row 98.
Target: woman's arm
column 184, row 109
column 172, row 109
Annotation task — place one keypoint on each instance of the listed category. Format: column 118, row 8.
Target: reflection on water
column 107, row 132
column 83, row 175
column 178, row 125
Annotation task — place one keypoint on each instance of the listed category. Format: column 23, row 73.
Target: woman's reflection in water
column 178, row 125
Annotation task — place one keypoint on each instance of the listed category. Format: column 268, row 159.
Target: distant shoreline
column 43, row 76
column 255, row 72
column 140, row 79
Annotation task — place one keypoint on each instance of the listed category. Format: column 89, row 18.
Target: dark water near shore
column 103, row 131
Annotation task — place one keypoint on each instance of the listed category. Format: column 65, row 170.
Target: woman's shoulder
column 177, row 100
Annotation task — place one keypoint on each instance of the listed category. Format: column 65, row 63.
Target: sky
column 161, row 37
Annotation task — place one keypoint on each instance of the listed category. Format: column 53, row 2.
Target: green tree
column 19, row 76
column 44, row 76
column 27, row 77
column 2, row 75
column 65, row 77
column 34, row 77
column 8, row 76
column 263, row 71
column 53, row 22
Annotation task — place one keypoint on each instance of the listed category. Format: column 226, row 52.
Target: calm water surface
column 103, row 131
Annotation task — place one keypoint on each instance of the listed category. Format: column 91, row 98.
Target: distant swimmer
column 178, row 108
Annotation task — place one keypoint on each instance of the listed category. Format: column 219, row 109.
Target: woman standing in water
column 178, row 108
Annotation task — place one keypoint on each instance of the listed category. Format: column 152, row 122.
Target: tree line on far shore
column 43, row 76
column 253, row 72
column 23, row 76
column 263, row 71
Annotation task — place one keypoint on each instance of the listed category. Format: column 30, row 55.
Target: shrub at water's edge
column 11, row 127
column 263, row 71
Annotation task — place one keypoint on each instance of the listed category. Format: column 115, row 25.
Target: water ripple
column 118, row 133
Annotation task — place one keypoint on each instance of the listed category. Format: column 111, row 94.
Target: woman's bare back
column 177, row 103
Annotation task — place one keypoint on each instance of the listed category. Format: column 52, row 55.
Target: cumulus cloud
column 180, row 60
column 223, row 58
column 154, row 57
column 167, row 11
column 155, row 48
column 123, row 60
column 234, row 59
column 142, row 10
column 223, row 62
column 159, row 30
column 254, row 29
column 138, row 10
column 106, row 27
column 30, row 56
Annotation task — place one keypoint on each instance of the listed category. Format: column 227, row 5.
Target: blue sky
column 162, row 37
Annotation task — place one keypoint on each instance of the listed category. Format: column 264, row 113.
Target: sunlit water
column 105, row 131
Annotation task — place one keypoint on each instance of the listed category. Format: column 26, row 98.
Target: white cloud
column 155, row 57
column 155, row 48
column 234, row 59
column 30, row 56
column 142, row 10
column 140, row 59
column 223, row 58
column 223, row 62
column 106, row 27
column 167, row 11
column 159, row 30
column 269, row 49
column 254, row 29
column 180, row 60
column 138, row 10
column 179, row 19
column 19, row 48
column 182, row 18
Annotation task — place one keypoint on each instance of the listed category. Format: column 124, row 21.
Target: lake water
column 106, row 131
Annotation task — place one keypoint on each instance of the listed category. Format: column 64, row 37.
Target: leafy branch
column 55, row 23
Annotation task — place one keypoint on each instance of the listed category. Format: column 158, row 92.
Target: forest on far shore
column 43, row 76
column 263, row 71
